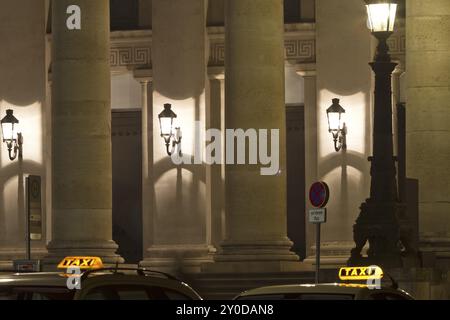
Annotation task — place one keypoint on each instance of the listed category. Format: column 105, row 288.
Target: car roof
column 56, row 279
column 59, row 279
column 324, row 288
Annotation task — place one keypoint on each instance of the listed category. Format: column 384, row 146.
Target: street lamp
column 336, row 125
column 9, row 127
column 381, row 15
column 166, row 118
column 378, row 221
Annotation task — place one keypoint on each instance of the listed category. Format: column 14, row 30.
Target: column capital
column 306, row 69
column 216, row 73
column 143, row 75
column 399, row 69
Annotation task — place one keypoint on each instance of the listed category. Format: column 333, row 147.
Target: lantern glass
column 335, row 121
column 166, row 124
column 335, row 114
column 166, row 121
column 9, row 126
column 381, row 16
column 8, row 131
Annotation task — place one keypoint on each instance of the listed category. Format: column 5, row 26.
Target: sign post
column 33, row 224
column 318, row 196
column 34, row 208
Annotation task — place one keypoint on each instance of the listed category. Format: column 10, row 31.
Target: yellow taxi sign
column 360, row 273
column 81, row 262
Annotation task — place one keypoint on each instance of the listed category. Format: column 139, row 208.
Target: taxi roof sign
column 360, row 273
column 84, row 263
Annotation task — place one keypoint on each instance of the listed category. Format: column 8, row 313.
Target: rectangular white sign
column 318, row 215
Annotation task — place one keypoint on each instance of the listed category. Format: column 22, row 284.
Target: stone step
column 227, row 286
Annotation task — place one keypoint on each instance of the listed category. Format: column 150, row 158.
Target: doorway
column 126, row 184
column 295, row 161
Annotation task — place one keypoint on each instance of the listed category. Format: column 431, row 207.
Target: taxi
column 85, row 278
column 359, row 283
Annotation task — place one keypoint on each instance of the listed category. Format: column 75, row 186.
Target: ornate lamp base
column 378, row 223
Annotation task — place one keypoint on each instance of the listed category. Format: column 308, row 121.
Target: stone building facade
column 109, row 188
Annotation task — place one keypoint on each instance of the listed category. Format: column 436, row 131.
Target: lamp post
column 166, row 118
column 378, row 221
column 9, row 127
column 336, row 125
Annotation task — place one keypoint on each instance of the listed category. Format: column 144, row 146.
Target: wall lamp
column 166, row 124
column 336, row 125
column 9, row 126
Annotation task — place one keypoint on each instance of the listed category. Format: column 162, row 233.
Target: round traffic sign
column 319, row 194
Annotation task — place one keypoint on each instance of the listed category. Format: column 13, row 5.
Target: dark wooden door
column 127, row 186
column 295, row 138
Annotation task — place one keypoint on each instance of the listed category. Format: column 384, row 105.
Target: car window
column 134, row 292
column 102, row 293
column 42, row 293
column 263, row 297
column 299, row 296
column 175, row 295
column 323, row 296
column 111, row 292
column 7, row 294
column 387, row 296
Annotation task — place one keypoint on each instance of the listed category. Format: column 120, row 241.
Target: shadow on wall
column 185, row 206
column 185, row 201
column 23, row 54
column 346, row 172
column 22, row 88
column 13, row 200
column 350, row 163
column 14, row 173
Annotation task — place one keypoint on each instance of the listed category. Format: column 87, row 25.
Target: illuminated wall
column 294, row 91
column 179, row 56
column 125, row 91
column 22, row 88
column 343, row 53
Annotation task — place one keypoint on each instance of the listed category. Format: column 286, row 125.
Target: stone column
column 428, row 117
column 347, row 76
column 311, row 115
column 215, row 173
column 255, row 204
column 81, row 141
column 178, row 222
column 145, row 78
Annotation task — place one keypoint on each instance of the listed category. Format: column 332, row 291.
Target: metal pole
column 28, row 240
column 378, row 221
column 317, row 252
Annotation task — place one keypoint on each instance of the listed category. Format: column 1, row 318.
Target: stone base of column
column 176, row 259
column 435, row 250
column 333, row 254
column 256, row 257
column 242, row 266
column 8, row 255
column 57, row 250
column 422, row 283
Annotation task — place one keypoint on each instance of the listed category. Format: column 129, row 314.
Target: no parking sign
column 319, row 193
